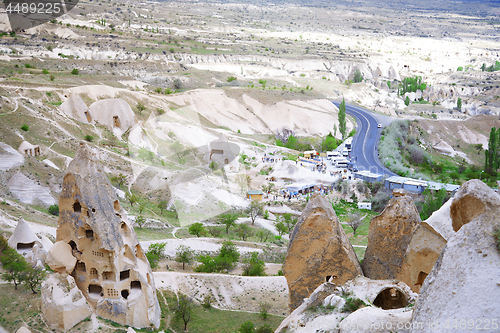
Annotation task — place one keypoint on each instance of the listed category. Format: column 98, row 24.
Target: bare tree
column 254, row 210
column 354, row 220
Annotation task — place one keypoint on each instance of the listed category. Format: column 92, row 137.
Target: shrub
column 254, row 266
column 45, row 71
column 207, row 302
column 52, row 77
column 352, row 304
column 89, row 138
column 54, row 209
column 25, row 128
column 358, row 77
column 263, row 309
column 226, row 259
column 75, row 71
column 231, row 79
column 246, row 327
column 497, row 238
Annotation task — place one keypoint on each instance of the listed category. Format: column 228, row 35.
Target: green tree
column 132, row 198
column 329, row 143
column 263, row 235
column 244, row 231
column 254, row 266
column 155, row 253
column 184, row 254
column 281, row 226
column 140, row 220
column 459, row 104
column 162, row 205
column 407, row 100
column 140, row 107
column 33, row 278
column 228, row 220
column 119, row 179
column 25, row 128
column 492, row 155
column 254, row 210
column 342, row 121
column 75, row 71
column 14, row 265
column 263, row 82
column 432, row 202
column 183, row 309
column 289, row 220
column 197, row 229
column 231, row 78
column 226, row 259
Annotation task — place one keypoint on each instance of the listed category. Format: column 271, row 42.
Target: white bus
column 332, row 154
column 348, row 144
column 341, row 163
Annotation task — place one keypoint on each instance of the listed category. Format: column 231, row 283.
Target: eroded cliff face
column 111, row 268
column 319, row 251
column 464, row 283
column 389, row 236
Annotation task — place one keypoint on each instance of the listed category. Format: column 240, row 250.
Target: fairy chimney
column 388, row 237
column 111, row 269
column 319, row 251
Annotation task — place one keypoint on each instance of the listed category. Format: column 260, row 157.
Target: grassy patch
column 144, row 234
column 219, row 321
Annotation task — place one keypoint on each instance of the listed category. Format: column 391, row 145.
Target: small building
column 322, row 154
column 394, row 182
column 310, row 153
column 27, row 148
column 368, row 176
column 415, row 185
column 450, row 188
column 365, row 205
column 222, row 152
column 254, row 195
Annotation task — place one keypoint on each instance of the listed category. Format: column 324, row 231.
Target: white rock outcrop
column 63, row 304
column 464, row 284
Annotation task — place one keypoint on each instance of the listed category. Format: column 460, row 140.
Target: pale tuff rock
column 386, row 301
column 463, row 285
column 23, row 329
column 63, row 304
column 76, row 108
column 388, row 237
column 319, row 251
column 425, row 247
column 60, row 258
column 114, row 113
column 111, row 269
column 25, row 242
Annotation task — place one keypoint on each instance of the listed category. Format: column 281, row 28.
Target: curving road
column 365, row 142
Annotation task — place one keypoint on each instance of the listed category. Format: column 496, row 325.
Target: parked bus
column 348, row 144
column 341, row 163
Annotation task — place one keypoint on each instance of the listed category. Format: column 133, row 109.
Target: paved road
column 365, row 142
